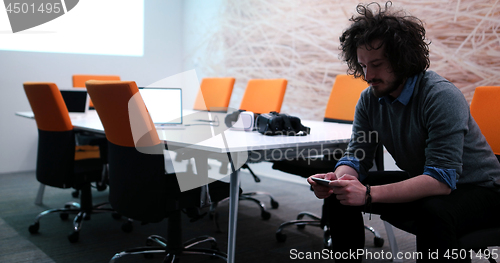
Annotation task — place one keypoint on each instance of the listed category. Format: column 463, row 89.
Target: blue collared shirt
column 405, row 95
column 447, row 176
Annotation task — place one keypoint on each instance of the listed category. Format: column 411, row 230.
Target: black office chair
column 249, row 196
column 214, row 95
column 261, row 96
column 139, row 187
column 60, row 162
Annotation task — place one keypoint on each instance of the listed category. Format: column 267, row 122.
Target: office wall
column 298, row 40
column 163, row 50
column 200, row 23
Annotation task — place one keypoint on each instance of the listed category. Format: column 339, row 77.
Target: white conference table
column 324, row 137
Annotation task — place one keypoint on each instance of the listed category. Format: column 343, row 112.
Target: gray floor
column 101, row 236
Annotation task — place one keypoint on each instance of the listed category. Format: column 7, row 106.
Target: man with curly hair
column 447, row 184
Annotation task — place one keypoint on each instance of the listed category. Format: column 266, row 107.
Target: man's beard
column 391, row 87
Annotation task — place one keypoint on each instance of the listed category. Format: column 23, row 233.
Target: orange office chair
column 340, row 108
column 261, row 96
column 140, row 188
column 79, row 81
column 214, row 94
column 343, row 98
column 342, row 104
column 484, row 108
column 60, row 162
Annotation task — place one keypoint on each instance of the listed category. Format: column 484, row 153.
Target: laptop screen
column 77, row 100
column 164, row 104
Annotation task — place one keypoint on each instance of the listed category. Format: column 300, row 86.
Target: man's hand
column 349, row 190
column 322, row 191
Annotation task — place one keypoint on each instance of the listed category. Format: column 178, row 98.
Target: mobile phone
column 321, row 181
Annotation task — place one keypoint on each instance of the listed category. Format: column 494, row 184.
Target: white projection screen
column 109, row 27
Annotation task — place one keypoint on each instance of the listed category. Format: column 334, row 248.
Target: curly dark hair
column 402, row 36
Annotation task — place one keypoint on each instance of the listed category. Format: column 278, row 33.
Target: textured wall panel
column 298, row 40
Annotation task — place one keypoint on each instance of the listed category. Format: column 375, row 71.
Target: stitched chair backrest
column 112, row 101
column 484, row 108
column 214, row 94
column 264, row 95
column 138, row 185
column 343, row 98
column 48, row 106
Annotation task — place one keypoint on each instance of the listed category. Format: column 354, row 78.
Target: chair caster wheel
column 280, row 237
column 127, row 227
column 265, row 215
column 274, row 204
column 64, row 216
column 34, row 228
column 73, row 237
column 378, row 241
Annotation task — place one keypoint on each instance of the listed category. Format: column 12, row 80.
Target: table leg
column 201, row 162
column 234, row 195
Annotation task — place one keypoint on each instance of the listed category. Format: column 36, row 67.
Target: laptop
column 164, row 105
column 77, row 101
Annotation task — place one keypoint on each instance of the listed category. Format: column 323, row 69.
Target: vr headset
column 274, row 123
column 240, row 120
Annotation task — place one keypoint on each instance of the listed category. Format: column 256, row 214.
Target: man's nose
column 369, row 74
